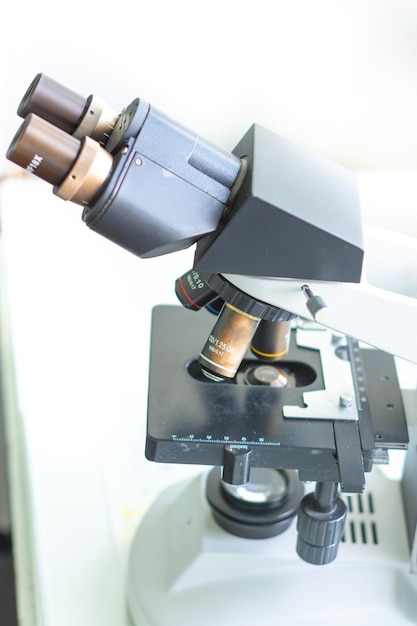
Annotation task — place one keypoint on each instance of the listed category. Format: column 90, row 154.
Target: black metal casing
column 296, row 215
column 167, row 189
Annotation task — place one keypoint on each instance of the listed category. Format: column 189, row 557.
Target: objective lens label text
column 194, row 280
column 218, row 345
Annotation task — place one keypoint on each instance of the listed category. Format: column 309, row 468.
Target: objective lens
column 53, row 102
column 65, row 109
column 42, row 149
column 215, row 306
column 227, row 343
column 77, row 169
column 193, row 291
column 272, row 340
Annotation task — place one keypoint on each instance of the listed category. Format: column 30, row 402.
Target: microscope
column 277, row 371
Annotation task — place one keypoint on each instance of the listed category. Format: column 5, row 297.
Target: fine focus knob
column 320, row 531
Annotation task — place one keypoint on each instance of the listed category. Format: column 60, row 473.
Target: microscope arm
column 382, row 314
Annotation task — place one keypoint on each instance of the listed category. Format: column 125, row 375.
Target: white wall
column 338, row 76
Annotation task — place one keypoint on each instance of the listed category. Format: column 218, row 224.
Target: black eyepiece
column 77, row 169
column 44, row 150
column 67, row 110
column 53, row 102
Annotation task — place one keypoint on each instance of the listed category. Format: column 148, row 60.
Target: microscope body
column 273, row 225
column 163, row 176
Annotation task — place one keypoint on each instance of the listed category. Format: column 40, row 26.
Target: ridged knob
column 319, row 532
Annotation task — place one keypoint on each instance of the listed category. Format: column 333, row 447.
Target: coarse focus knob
column 320, row 530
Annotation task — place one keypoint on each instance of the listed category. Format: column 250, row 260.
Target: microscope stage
column 192, row 419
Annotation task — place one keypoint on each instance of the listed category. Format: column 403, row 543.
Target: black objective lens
column 272, row 340
column 193, row 291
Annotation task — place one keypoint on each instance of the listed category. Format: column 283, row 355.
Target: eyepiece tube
column 44, row 150
column 53, row 102
column 67, row 110
column 77, row 169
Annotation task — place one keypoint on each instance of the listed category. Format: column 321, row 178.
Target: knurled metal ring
column 246, row 303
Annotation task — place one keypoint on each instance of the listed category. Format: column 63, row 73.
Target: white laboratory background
column 338, row 76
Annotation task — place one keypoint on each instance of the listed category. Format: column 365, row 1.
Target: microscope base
column 184, row 569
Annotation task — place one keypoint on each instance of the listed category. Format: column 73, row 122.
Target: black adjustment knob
column 320, row 525
column 236, row 465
